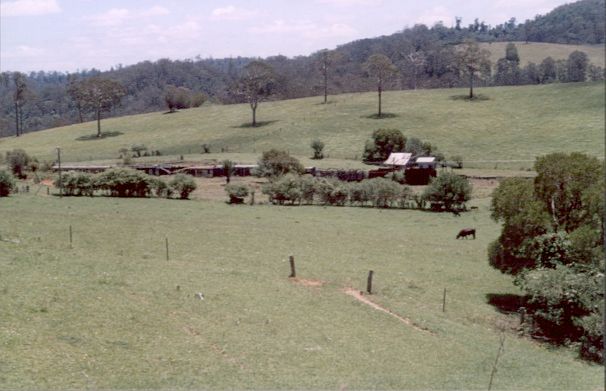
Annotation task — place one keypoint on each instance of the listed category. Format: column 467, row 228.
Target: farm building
column 398, row 159
column 81, row 168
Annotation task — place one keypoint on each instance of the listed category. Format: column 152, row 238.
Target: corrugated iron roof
column 398, row 159
column 426, row 159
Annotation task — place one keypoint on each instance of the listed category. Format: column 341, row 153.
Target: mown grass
column 508, row 130
column 537, row 51
column 108, row 314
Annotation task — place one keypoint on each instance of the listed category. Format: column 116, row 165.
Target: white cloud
column 347, row 3
column 306, row 29
column 113, row 17
column 156, row 10
column 23, row 51
column 232, row 13
column 29, row 7
column 434, row 15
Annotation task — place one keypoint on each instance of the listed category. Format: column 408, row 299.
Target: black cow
column 466, row 232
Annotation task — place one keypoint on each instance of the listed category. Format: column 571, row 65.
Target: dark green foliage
column 384, row 142
column 76, row 184
column 177, row 98
column 448, row 192
column 7, row 183
column 183, row 185
column 276, row 163
column 577, row 66
column 229, row 168
column 122, row 182
column 160, row 188
column 285, row 189
column 553, row 239
column 318, row 148
column 138, row 149
column 236, row 192
column 18, row 160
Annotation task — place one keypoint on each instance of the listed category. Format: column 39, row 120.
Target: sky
column 71, row 35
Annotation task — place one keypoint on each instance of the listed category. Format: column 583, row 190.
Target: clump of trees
column 237, row 192
column 18, row 162
column 448, row 192
column 274, row 163
column 7, row 183
column 552, row 240
column 386, row 141
column 177, row 98
column 124, row 182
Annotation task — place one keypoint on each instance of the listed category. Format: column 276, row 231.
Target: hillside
column 538, row 51
column 515, row 123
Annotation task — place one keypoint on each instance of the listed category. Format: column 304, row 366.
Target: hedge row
column 377, row 192
column 124, row 183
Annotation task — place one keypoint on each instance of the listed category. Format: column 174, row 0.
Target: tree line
column 419, row 57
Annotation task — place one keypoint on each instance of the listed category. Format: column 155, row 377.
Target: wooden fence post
column 369, row 282
column 444, row 301
column 496, row 361
column 70, row 237
column 166, row 240
column 293, row 273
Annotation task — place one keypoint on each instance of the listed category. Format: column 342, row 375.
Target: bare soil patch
column 359, row 295
column 306, row 282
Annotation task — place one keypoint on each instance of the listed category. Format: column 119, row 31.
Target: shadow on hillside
column 258, row 125
column 476, row 98
column 90, row 137
column 383, row 116
column 330, row 102
column 506, row 303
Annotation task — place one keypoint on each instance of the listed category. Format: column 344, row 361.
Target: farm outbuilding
column 398, row 159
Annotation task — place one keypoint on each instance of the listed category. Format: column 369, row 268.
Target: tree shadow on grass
column 476, row 98
column 506, row 303
column 382, row 116
column 258, row 125
column 90, row 137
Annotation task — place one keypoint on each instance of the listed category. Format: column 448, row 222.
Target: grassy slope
column 537, row 51
column 517, row 123
column 107, row 315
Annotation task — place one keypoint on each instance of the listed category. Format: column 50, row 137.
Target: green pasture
column 537, row 51
column 112, row 312
column 508, row 130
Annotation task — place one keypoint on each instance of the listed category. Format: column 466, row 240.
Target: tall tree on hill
column 577, row 66
column 100, row 95
column 19, row 97
column 413, row 64
column 508, row 70
column 325, row 61
column 75, row 93
column 472, row 60
column 256, row 85
column 380, row 67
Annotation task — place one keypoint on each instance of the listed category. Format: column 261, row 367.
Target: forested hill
column 425, row 58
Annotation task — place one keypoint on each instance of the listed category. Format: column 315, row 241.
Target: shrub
column 7, row 183
column 236, row 192
column 448, row 191
column 332, row 191
column 275, row 163
column 138, row 149
column 458, row 161
column 123, row 182
column 18, row 160
column 76, row 184
column 383, row 192
column 318, row 147
column 160, row 188
column 383, row 142
column 229, row 168
column 284, row 189
column 307, row 185
column 183, row 185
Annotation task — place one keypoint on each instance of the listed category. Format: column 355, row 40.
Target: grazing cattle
column 466, row 232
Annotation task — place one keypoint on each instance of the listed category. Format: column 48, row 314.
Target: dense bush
column 274, row 163
column 448, row 192
column 7, row 183
column 183, row 185
column 122, row 182
column 18, row 161
column 76, row 184
column 285, row 189
column 383, row 142
column 236, row 192
column 318, row 148
column 553, row 240
column 160, row 188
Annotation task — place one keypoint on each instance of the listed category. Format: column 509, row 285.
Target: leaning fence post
column 166, row 240
column 369, row 282
column 293, row 273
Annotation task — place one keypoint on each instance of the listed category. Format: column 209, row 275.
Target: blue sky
column 67, row 35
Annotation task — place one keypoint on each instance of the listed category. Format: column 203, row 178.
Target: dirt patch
column 358, row 295
column 47, row 182
column 305, row 282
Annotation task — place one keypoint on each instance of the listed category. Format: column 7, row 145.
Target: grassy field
column 113, row 313
column 537, row 51
column 509, row 130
